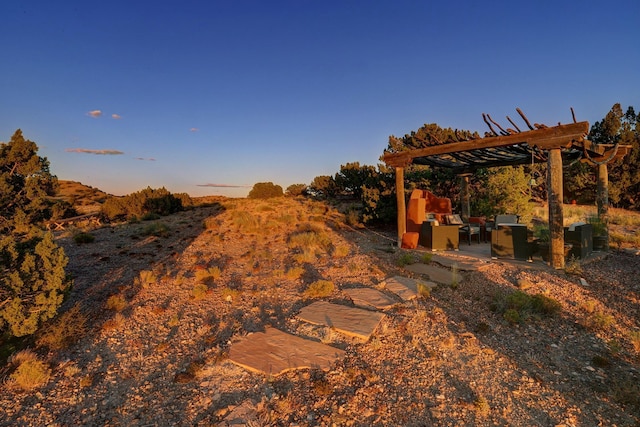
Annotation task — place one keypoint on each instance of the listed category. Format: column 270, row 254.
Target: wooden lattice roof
column 507, row 147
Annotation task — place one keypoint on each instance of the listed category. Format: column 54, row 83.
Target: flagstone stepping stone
column 405, row 287
column 369, row 298
column 461, row 265
column 273, row 352
column 350, row 321
column 436, row 274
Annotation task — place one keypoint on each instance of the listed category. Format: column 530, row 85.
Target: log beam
column 555, row 196
column 402, row 209
column 548, row 138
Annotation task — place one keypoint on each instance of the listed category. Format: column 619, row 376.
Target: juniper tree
column 32, row 277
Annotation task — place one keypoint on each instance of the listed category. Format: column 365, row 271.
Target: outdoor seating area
column 502, row 237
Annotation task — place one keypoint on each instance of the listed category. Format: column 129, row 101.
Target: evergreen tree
column 32, row 277
column 624, row 175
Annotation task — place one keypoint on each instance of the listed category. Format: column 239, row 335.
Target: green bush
column 147, row 201
column 265, row 190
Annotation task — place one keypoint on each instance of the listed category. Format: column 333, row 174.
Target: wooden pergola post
column 402, row 209
column 602, row 199
column 556, row 219
column 464, row 196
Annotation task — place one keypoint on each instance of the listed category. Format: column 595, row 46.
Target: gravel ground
column 450, row 359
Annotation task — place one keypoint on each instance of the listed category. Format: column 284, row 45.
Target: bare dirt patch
column 213, row 274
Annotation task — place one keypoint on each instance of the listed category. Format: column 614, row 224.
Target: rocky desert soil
column 157, row 304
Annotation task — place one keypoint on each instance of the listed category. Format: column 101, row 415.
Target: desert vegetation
column 132, row 322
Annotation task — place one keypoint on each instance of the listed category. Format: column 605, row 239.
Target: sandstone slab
column 350, row 321
column 369, row 298
column 273, row 352
column 405, row 287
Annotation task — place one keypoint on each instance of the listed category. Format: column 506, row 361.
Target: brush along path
column 451, row 359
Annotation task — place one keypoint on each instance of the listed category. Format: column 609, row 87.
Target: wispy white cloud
column 223, row 185
column 116, row 116
column 194, row 130
column 88, row 151
column 148, row 159
column 94, row 113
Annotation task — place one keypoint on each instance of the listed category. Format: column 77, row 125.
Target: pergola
column 555, row 145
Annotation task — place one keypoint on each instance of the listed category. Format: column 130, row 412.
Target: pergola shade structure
column 555, row 145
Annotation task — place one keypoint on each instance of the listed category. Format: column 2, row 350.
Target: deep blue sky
column 237, row 92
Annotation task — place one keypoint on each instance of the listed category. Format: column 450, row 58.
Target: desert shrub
column 265, row 190
column 146, row 278
column 600, row 320
column 423, row 290
column 518, row 306
column 320, row 289
column 207, row 275
column 295, row 190
column 158, row 201
column 81, row 238
column 116, row 303
column 32, row 283
column 31, row 372
column 199, row 291
column 65, row 330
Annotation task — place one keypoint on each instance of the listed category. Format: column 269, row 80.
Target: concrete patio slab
column 273, row 352
column 436, row 274
column 369, row 298
column 350, row 321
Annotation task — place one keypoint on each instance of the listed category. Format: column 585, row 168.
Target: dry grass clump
column 596, row 318
column 65, row 330
column 147, row 278
column 31, row 372
column 341, row 251
column 116, row 303
column 320, row 289
column 294, row 273
column 245, row 221
column 404, row 259
column 199, row 291
column 115, row 322
column 208, row 275
column 211, row 223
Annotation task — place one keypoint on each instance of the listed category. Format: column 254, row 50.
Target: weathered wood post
column 602, row 200
column 402, row 209
column 555, row 199
column 464, row 196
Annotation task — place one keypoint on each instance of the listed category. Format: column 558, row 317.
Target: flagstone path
column 273, row 352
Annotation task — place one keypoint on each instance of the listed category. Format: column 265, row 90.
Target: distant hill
column 84, row 198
